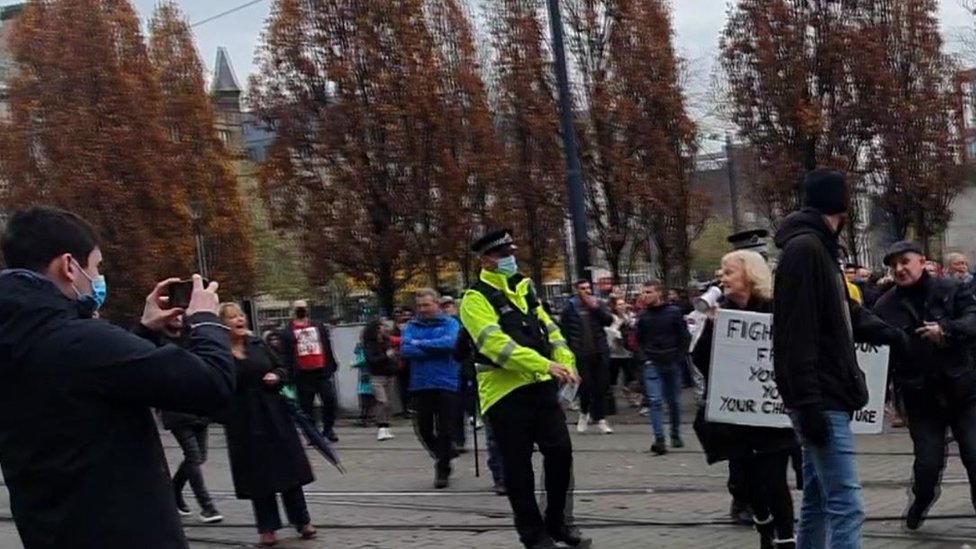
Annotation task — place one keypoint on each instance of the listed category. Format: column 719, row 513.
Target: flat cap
column 899, row 248
column 493, row 241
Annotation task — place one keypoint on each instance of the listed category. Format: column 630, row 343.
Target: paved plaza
column 625, row 498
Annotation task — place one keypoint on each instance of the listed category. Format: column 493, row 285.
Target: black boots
column 767, row 536
column 659, row 448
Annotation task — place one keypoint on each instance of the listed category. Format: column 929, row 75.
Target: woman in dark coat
column 266, row 456
column 763, row 452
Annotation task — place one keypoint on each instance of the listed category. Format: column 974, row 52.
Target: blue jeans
column 832, row 512
column 663, row 380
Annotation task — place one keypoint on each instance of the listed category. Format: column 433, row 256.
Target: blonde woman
column 763, row 452
column 266, row 456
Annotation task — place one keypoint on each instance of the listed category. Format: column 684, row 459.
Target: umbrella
column 307, row 426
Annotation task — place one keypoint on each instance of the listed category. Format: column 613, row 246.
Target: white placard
column 742, row 386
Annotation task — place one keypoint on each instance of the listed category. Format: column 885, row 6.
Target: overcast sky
column 697, row 24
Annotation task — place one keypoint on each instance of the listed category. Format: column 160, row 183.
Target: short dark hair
column 854, row 266
column 35, row 236
column 654, row 284
column 580, row 282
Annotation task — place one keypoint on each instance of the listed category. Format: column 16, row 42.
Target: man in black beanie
column 814, row 330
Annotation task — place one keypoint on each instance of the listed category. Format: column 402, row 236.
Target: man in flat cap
column 522, row 359
column 815, row 326
column 935, row 375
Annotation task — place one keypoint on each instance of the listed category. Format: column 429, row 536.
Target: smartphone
column 179, row 293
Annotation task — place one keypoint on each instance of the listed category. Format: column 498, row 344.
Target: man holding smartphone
column 79, row 449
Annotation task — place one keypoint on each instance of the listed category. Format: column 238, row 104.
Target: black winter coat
column 815, row 323
column 377, row 360
column 926, row 367
column 571, row 325
column 79, row 448
column 173, row 420
column 266, row 456
column 722, row 441
column 662, row 335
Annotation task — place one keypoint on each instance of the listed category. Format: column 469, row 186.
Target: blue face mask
column 508, row 266
column 99, row 289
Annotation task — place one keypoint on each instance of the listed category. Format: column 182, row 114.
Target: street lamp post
column 574, row 175
column 196, row 213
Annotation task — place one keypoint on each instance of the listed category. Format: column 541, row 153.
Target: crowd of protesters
column 502, row 353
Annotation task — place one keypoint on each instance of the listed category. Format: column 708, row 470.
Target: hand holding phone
column 204, row 297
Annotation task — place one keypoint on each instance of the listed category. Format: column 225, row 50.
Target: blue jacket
column 429, row 345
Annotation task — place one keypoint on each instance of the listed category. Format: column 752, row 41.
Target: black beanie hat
column 825, row 191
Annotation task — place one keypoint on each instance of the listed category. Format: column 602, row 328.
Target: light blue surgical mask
column 99, row 291
column 508, row 266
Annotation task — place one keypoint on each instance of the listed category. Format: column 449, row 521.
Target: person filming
column 79, row 448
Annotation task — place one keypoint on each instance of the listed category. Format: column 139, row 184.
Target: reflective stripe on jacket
column 514, row 365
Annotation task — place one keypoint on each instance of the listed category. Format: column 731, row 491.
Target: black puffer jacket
column 723, row 441
column 815, row 323
column 947, row 369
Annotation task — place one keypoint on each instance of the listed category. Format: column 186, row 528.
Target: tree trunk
column 386, row 288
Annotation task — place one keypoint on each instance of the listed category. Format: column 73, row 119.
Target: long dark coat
column 266, row 455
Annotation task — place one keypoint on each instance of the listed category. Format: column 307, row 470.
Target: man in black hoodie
column 79, row 448
column 815, row 325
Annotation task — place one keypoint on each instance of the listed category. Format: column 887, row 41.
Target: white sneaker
column 583, row 424
column 644, row 411
column 604, row 427
column 384, row 434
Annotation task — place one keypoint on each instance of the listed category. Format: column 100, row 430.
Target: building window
column 224, row 136
column 971, row 149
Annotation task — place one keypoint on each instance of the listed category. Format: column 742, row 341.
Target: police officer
column 522, row 359
column 935, row 375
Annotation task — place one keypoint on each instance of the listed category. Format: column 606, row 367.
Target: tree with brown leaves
column 527, row 121
column 467, row 207
column 359, row 154
column 791, row 66
column 84, row 133
column 911, row 102
column 195, row 156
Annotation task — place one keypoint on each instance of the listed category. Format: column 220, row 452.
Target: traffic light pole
column 574, row 174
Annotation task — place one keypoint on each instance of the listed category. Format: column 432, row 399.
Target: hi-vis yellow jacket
column 519, row 366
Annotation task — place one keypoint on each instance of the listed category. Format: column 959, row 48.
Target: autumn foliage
column 859, row 86
column 83, row 133
column 638, row 142
column 196, row 159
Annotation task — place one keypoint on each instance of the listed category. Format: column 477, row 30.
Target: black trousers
column 435, row 424
column 595, row 375
column 317, row 382
column 928, row 421
column 526, row 417
column 193, row 442
column 769, row 492
column 266, row 510
column 738, row 483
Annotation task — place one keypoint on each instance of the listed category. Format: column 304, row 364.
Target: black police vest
column 524, row 328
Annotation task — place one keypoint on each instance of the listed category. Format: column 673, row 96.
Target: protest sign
column 742, row 386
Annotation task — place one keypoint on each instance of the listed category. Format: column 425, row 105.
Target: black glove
column 813, row 426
